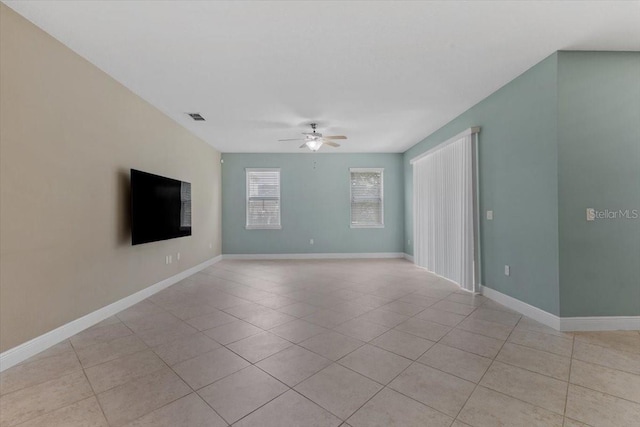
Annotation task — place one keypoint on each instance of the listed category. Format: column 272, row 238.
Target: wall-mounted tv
column 160, row 208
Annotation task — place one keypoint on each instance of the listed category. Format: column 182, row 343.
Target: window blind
column 263, row 198
column 367, row 207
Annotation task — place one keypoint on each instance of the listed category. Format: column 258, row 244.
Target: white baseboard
column 528, row 310
column 565, row 324
column 30, row 348
column 316, row 256
column 408, row 257
column 600, row 323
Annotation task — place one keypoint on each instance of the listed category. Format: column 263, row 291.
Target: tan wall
column 69, row 134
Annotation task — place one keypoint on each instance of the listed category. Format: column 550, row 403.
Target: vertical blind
column 367, row 207
column 263, row 198
column 444, row 211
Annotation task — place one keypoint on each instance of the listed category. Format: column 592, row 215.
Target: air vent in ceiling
column 196, row 116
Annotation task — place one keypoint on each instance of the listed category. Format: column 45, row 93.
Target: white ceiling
column 386, row 74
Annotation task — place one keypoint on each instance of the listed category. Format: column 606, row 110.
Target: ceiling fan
column 314, row 140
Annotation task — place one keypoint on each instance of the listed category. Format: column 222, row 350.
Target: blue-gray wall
column 599, row 167
column 518, row 161
column 315, row 205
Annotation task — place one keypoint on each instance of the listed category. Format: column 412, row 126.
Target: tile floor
column 325, row 343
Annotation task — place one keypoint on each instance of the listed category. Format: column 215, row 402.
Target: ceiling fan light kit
column 314, row 140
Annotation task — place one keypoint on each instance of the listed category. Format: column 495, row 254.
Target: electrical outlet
column 170, row 259
column 166, row 260
column 178, row 256
column 489, row 215
column 409, row 242
column 311, row 241
column 507, row 270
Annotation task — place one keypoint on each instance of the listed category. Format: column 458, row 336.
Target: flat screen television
column 160, row 208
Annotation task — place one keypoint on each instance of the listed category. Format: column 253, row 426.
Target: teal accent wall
column 599, row 167
column 518, row 160
column 315, row 204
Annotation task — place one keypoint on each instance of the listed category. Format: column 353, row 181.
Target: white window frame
column 246, row 178
column 381, row 171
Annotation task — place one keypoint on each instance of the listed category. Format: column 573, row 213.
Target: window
column 367, row 210
column 263, row 198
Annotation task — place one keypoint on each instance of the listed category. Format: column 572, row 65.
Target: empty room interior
column 319, row 213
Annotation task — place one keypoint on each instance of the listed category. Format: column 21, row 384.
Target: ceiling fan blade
column 303, row 145
column 294, row 139
column 331, row 143
column 335, row 137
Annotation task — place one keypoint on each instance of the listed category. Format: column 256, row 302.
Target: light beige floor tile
column 457, row 423
column 55, row 350
column 299, row 309
column 293, row 365
column 390, row 408
column 185, row 348
column 542, row 362
column 488, row 329
column 545, row 342
column 106, row 351
column 487, row 408
column 615, row 359
column 246, row 309
column 241, row 393
column 124, row 369
column 331, row 345
column 188, row 411
column 211, row 320
column 628, row 341
column 38, row 371
column 157, row 336
column 298, row 330
column 361, row 329
column 154, row 321
column 469, row 299
column 568, row 422
column 454, row 307
column 383, row 317
column 600, row 409
column 537, row 389
column 97, row 335
column 85, row 413
column 259, row 346
column 434, row 388
column 423, row 328
column 136, row 398
column 142, row 309
column 375, row 363
column 338, row 390
column 290, row 410
column 473, row 343
column 40, row 399
column 607, row 380
column 420, row 300
column 504, row 317
column 468, row 366
column 276, row 302
column 327, row 318
column 269, row 320
column 403, row 344
column 209, row 367
column 445, row 318
column 402, row 307
column 232, row 332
